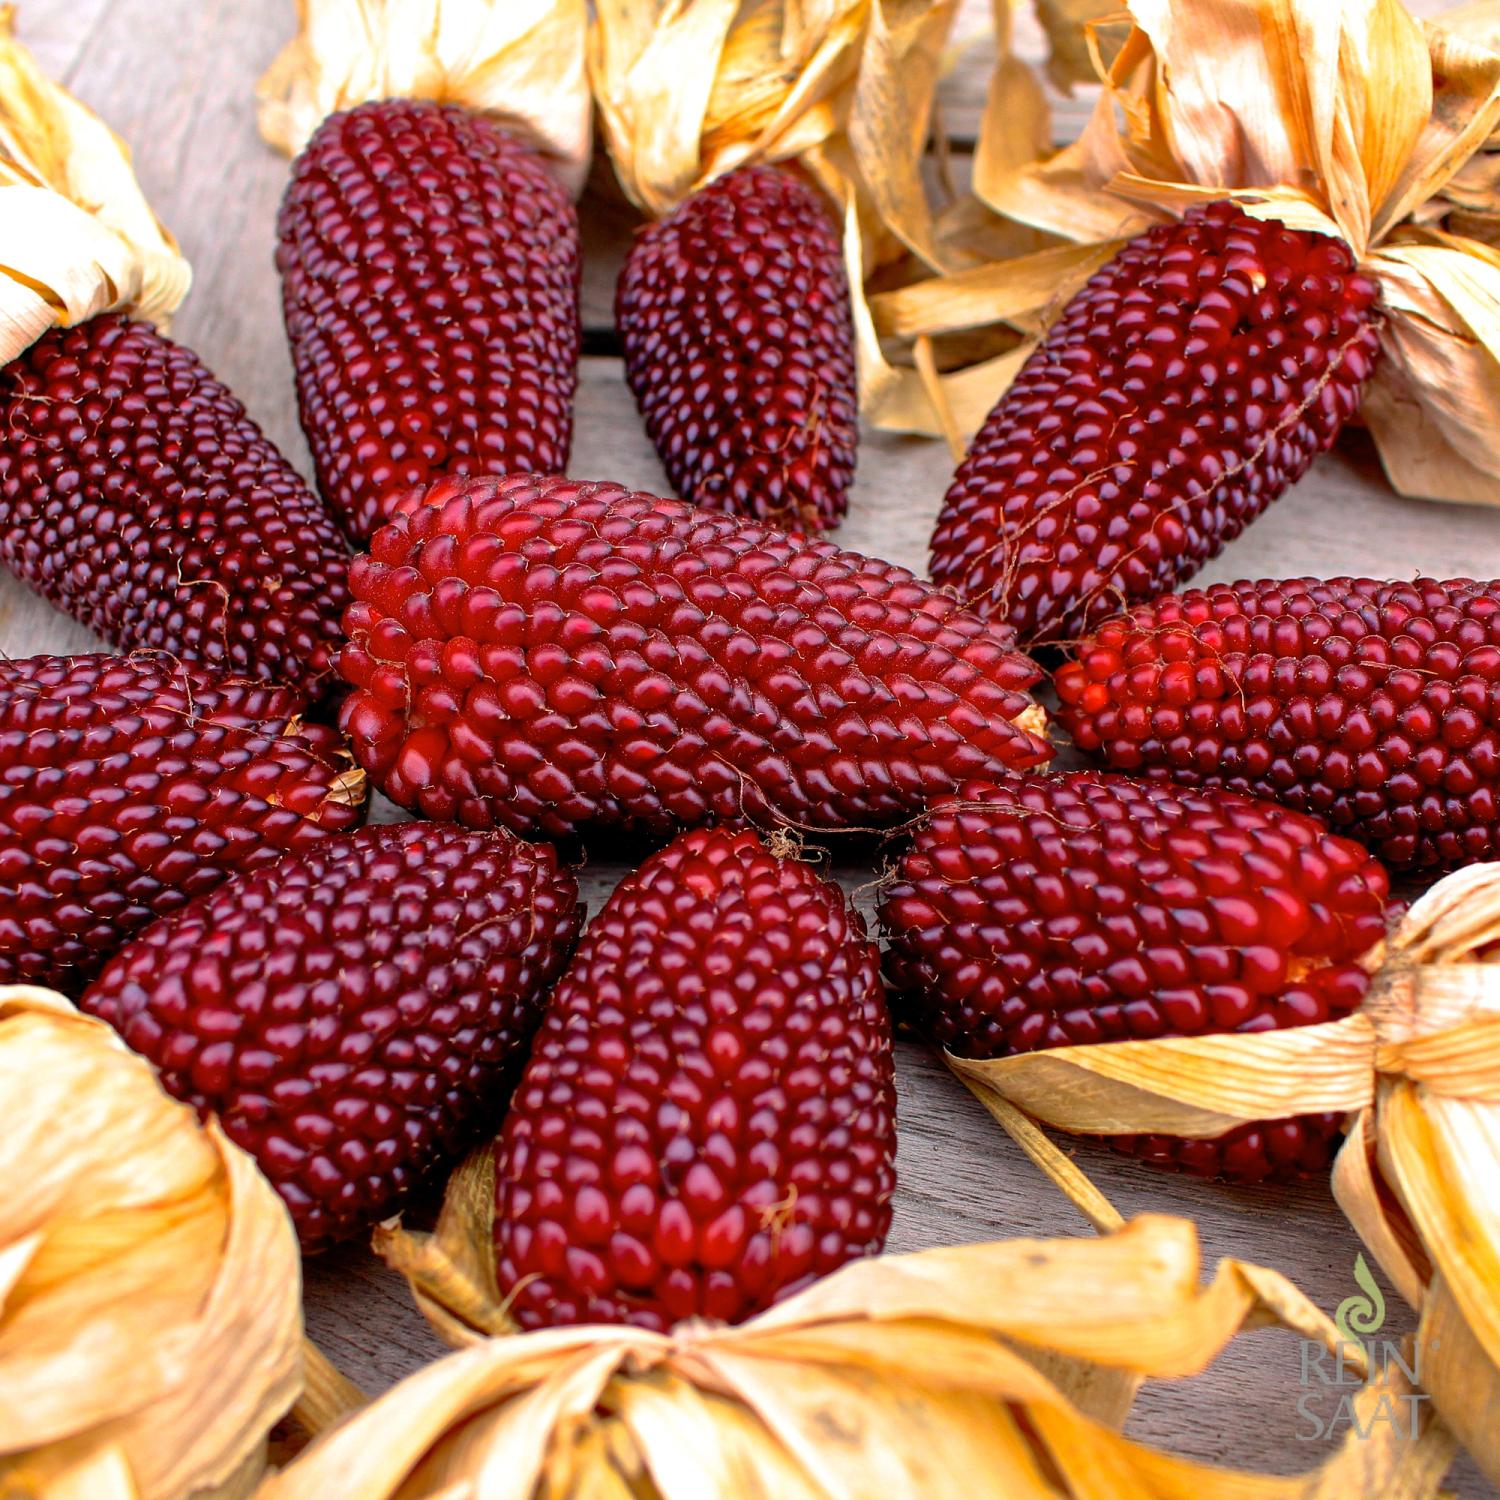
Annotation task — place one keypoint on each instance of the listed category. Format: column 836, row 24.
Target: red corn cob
column 548, row 656
column 739, row 347
column 707, row 1122
column 355, row 1014
column 129, row 785
column 430, row 270
column 1055, row 911
column 1374, row 705
column 1189, row 384
column 137, row 495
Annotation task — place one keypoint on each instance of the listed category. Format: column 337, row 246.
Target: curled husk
column 77, row 236
column 687, row 93
column 519, row 62
column 1417, row 1068
column 150, row 1323
column 904, row 1375
column 1344, row 116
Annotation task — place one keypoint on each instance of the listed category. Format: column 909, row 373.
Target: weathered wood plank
column 175, row 78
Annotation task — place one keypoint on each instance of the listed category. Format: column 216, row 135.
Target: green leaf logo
column 1364, row 1311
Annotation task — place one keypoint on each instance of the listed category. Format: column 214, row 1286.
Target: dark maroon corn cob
column 137, row 495
column 549, row 656
column 355, row 1014
column 707, row 1122
column 1188, row 385
column 130, row 784
column 430, row 269
column 1374, row 705
column 739, row 347
column 1059, row 911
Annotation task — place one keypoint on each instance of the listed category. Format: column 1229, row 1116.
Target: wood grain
column 175, row 77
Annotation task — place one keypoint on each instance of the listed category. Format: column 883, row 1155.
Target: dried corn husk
column 1000, row 1369
column 150, row 1327
column 689, row 92
column 1345, row 116
column 77, row 237
column 521, row 62
column 1418, row 1067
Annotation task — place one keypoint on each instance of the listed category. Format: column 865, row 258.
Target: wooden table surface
column 175, row 78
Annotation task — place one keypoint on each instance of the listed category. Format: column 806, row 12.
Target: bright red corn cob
column 1374, row 705
column 1184, row 389
column 137, row 495
column 549, row 656
column 739, row 347
column 430, row 269
column 707, row 1122
column 130, row 784
column 1055, row 911
column 355, row 1014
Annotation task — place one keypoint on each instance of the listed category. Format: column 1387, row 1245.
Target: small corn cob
column 1185, row 388
column 430, row 269
column 739, row 347
column 708, row 1119
column 354, row 1014
column 548, row 656
column 137, row 495
column 1057, row 911
column 130, row 784
column 1374, row 705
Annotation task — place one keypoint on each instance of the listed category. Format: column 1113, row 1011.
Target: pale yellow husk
column 1418, row 1068
column 520, row 62
column 687, row 92
column 150, row 1325
column 77, row 237
column 1004, row 1368
column 1346, row 116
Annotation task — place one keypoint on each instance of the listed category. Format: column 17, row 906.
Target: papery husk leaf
column 1197, row 1087
column 909, row 1374
column 689, row 92
column 518, row 62
column 452, row 1270
column 77, row 237
column 1069, row 56
column 1462, row 1379
column 150, row 1274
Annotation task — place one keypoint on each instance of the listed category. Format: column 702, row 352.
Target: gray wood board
column 176, row 79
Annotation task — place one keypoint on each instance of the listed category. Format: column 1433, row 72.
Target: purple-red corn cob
column 429, row 269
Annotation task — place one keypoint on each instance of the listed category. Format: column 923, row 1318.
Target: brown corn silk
column 519, row 63
column 1347, row 117
column 906, row 1374
column 77, row 237
column 150, row 1321
column 1417, row 1069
